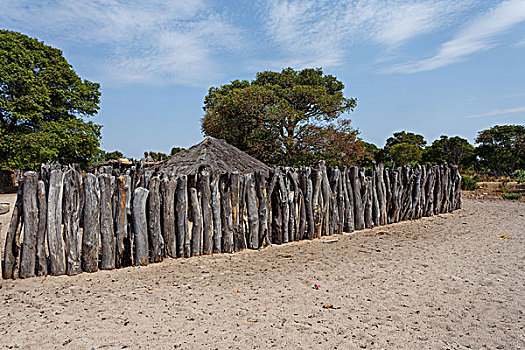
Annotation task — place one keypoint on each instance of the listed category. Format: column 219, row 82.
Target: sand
column 454, row 281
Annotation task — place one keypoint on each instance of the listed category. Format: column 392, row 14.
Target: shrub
column 511, row 196
column 519, row 175
column 468, row 184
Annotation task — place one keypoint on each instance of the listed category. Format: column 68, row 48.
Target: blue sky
column 433, row 67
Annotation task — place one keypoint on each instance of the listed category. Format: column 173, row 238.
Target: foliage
column 402, row 148
column 454, row 150
column 42, row 101
column 519, row 175
column 502, row 148
column 337, row 144
column 176, row 150
column 277, row 116
column 468, row 183
column 104, row 156
column 156, row 156
column 511, row 196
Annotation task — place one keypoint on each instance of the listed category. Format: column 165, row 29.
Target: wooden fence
column 66, row 223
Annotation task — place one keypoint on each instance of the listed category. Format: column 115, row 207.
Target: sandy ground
column 454, row 281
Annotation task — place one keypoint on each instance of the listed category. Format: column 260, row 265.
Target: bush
column 519, row 175
column 468, row 184
column 511, row 196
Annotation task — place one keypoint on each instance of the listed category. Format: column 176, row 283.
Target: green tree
column 452, row 150
column 402, row 148
column 175, row 150
column 274, row 116
column 502, row 148
column 42, row 102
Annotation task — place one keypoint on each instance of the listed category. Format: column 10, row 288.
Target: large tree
column 501, row 148
column 42, row 102
column 452, row 150
column 402, row 148
column 276, row 116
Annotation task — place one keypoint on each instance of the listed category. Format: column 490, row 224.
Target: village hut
column 214, row 155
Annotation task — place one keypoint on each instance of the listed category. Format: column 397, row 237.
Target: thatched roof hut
column 215, row 155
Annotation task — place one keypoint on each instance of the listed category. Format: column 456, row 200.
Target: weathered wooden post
column 253, row 212
column 167, row 193
column 140, row 226
column 264, row 234
column 91, row 236
column 368, row 200
column 235, row 183
column 12, row 241
column 307, row 186
column 154, row 230
column 240, row 231
column 207, row 216
column 381, row 193
column 71, row 214
column 123, row 241
column 54, row 223
column 227, row 214
column 317, row 202
column 388, row 193
column 334, row 207
column 216, row 211
column 107, row 231
column 458, row 189
column 359, row 211
column 196, row 219
column 41, row 257
column 299, row 206
column 183, row 239
column 30, row 214
column 327, row 227
column 348, row 192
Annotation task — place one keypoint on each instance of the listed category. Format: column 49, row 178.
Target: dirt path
column 447, row 282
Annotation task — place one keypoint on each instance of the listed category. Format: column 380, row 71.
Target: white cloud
column 141, row 41
column 477, row 36
column 497, row 112
column 320, row 32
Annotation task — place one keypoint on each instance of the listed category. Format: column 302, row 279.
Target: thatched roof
column 215, row 155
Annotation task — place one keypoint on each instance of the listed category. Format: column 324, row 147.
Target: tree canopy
column 402, row 148
column 502, row 148
column 42, row 102
column 452, row 150
column 284, row 118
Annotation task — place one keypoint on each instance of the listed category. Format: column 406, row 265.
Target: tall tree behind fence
column 66, row 223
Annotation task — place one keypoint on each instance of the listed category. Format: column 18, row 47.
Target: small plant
column 511, row 196
column 468, row 184
column 519, row 175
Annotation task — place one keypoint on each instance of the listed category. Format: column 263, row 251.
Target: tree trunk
column 41, row 257
column 140, row 226
column 107, row 231
column 72, row 213
column 54, row 223
column 182, row 234
column 90, row 239
column 30, row 210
